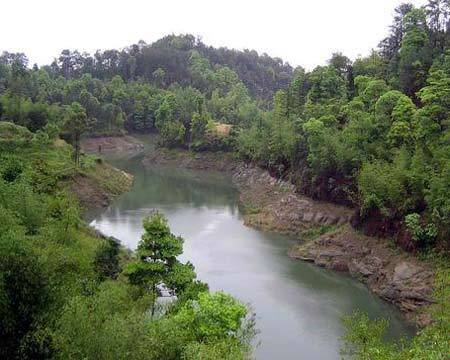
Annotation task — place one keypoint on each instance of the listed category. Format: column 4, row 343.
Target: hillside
column 371, row 134
column 261, row 74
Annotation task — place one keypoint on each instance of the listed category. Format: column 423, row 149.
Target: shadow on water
column 298, row 306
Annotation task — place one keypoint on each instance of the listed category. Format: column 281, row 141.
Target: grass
column 114, row 181
column 316, row 231
column 249, row 209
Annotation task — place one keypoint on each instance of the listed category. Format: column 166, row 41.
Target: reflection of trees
column 171, row 186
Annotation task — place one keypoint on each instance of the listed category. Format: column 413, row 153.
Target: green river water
column 298, row 306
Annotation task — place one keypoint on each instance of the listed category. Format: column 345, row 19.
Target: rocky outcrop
column 272, row 204
column 394, row 275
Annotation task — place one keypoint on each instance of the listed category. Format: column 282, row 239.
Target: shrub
column 11, row 167
column 13, row 136
column 421, row 234
column 106, row 262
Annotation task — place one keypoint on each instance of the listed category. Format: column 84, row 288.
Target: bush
column 421, row 234
column 106, row 262
column 23, row 292
column 379, row 188
column 13, row 136
column 438, row 200
column 11, row 167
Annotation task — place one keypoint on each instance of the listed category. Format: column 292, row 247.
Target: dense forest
column 373, row 133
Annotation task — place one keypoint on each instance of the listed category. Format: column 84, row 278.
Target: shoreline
column 329, row 241
column 323, row 229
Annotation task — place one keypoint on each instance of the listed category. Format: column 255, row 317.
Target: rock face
column 395, row 276
column 273, row 204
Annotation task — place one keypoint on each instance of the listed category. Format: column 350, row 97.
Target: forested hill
column 372, row 133
column 261, row 74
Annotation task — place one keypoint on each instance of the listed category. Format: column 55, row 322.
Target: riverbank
column 96, row 186
column 328, row 240
column 112, row 144
column 392, row 274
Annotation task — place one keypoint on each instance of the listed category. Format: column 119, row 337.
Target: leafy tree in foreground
column 157, row 259
column 23, row 291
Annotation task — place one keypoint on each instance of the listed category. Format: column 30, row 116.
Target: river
column 298, row 306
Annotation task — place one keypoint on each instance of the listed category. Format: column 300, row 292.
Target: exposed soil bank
column 96, row 188
column 218, row 161
column 273, row 205
column 112, row 144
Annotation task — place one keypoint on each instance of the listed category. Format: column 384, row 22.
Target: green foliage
column 199, row 125
column 212, row 317
column 62, row 293
column 157, row 261
column 323, row 147
column 381, row 186
column 108, row 324
column 372, row 66
column 13, row 136
column 439, row 201
column 76, row 123
column 421, row 234
column 365, row 339
column 373, row 133
column 326, row 84
column 370, row 91
column 414, row 52
column 23, row 292
column 106, row 261
column 172, row 134
column 11, row 167
column 212, row 327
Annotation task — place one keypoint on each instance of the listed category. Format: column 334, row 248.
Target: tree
column 159, row 76
column 298, row 90
column 24, row 292
column 341, row 63
column 76, row 123
column 37, row 117
column 415, row 54
column 372, row 65
column 433, row 117
column 106, row 262
column 390, row 46
column 438, row 12
column 213, row 316
column 157, row 259
column 326, row 84
column 198, row 126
